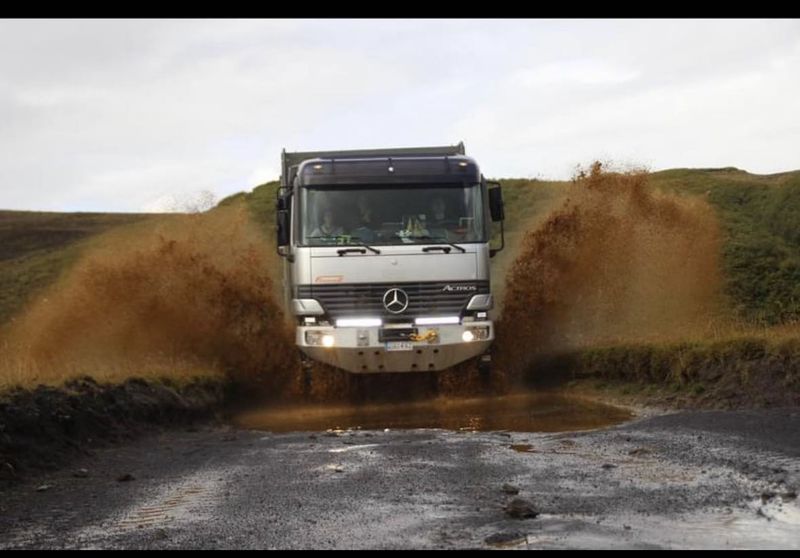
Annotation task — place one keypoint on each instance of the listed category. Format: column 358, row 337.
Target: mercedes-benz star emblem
column 395, row 300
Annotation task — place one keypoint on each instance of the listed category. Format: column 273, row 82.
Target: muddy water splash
column 191, row 295
column 617, row 262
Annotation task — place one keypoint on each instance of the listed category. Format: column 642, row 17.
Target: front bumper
column 359, row 349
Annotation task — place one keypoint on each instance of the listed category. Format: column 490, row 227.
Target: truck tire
column 306, row 375
column 485, row 368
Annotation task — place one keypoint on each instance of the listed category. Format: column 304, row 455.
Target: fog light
column 467, row 336
column 327, row 340
column 479, row 332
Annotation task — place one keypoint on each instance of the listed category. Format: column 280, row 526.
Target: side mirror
column 282, row 204
column 283, row 225
column 497, row 212
column 496, row 203
column 282, row 228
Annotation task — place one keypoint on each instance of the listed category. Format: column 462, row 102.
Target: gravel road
column 685, row 480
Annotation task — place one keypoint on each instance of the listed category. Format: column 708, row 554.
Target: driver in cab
column 327, row 229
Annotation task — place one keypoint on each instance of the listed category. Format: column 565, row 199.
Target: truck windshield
column 409, row 214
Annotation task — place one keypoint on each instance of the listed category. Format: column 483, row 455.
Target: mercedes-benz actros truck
column 387, row 257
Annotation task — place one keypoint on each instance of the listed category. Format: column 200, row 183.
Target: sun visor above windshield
column 317, row 172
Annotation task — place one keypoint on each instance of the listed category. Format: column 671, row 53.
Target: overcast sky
column 134, row 115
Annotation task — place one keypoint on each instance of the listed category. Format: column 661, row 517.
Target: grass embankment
column 43, row 428
column 747, row 371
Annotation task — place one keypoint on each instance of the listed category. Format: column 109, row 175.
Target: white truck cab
column 387, row 257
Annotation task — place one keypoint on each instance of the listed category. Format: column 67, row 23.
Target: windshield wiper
column 426, row 237
column 361, row 243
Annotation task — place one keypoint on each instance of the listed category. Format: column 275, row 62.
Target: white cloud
column 121, row 115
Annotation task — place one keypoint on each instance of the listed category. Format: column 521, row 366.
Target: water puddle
column 526, row 412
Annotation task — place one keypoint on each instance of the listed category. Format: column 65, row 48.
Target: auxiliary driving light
column 359, row 322
column 327, row 340
column 467, row 336
column 437, row 320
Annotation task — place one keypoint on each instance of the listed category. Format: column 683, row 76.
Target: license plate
column 399, row 346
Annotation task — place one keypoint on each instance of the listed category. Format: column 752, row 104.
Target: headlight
column 319, row 338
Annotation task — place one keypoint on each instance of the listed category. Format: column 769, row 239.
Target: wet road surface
column 685, row 480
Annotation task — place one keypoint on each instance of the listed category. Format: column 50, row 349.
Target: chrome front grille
column 441, row 298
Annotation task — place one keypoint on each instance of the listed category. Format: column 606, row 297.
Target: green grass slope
column 761, row 217
column 35, row 248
